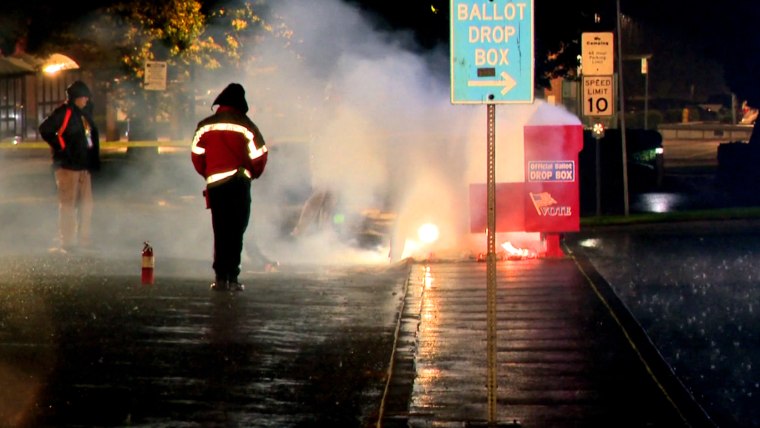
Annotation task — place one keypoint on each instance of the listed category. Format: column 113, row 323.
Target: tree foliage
column 179, row 32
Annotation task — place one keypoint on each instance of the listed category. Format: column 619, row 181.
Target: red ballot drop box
column 548, row 201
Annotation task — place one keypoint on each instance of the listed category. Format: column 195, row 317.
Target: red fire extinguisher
column 148, row 263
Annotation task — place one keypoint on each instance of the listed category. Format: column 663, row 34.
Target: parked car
column 644, row 158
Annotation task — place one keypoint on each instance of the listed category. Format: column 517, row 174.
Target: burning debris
column 510, row 252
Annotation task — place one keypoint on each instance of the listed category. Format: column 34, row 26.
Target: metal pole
column 598, row 180
column 646, row 99
column 622, row 110
column 491, row 265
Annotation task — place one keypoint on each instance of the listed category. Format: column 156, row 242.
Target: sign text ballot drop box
column 548, row 200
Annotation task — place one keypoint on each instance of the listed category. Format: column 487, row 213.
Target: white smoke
column 351, row 111
column 373, row 116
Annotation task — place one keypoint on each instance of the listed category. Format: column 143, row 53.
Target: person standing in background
column 228, row 151
column 74, row 142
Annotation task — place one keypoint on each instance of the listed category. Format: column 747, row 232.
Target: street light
column 645, row 72
column 58, row 62
column 618, row 30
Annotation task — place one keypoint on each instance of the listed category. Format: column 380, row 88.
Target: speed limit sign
column 598, row 96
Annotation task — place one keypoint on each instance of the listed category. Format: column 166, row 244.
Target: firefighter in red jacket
column 228, row 151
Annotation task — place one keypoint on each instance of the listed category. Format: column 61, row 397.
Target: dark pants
column 230, row 204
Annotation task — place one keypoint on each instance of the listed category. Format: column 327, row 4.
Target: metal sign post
column 598, row 133
column 491, row 63
column 491, row 264
column 597, row 61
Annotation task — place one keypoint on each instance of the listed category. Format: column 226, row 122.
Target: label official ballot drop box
column 548, row 200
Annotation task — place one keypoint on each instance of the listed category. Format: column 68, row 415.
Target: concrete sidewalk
column 568, row 353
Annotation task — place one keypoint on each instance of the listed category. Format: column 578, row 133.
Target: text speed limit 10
column 598, row 96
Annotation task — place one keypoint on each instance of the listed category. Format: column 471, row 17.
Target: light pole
column 622, row 110
column 645, row 72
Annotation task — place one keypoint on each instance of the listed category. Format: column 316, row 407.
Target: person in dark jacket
column 75, row 147
column 228, row 150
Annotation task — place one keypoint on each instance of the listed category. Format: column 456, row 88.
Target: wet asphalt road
column 83, row 343
column 693, row 287
column 88, row 345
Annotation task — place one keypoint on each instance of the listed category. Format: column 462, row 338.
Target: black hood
column 233, row 96
column 78, row 89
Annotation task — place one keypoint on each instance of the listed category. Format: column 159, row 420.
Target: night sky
column 723, row 32
column 716, row 27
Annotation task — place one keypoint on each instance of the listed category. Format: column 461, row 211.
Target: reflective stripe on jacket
column 66, row 132
column 226, row 143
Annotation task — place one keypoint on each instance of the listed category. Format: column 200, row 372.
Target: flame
column 510, row 253
column 428, row 233
column 517, row 253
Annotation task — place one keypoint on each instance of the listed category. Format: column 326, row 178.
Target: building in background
column 31, row 87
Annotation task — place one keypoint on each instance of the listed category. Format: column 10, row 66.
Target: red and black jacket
column 226, row 144
column 67, row 135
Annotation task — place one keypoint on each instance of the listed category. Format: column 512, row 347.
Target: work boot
column 220, row 285
column 234, row 285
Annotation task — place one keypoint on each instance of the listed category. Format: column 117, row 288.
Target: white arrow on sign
column 507, row 82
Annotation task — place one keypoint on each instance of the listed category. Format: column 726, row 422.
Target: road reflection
column 428, row 339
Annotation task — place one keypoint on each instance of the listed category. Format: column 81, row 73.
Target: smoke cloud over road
column 357, row 119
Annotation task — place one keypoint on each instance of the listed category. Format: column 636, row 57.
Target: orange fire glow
column 510, row 252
